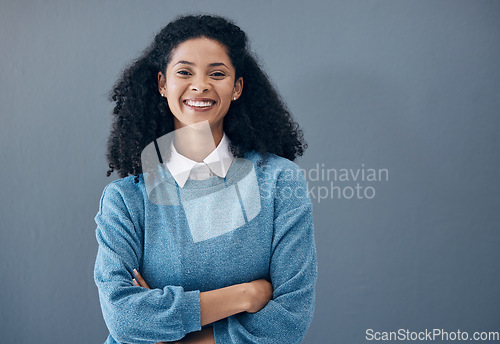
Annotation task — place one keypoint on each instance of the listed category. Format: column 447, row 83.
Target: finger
column 141, row 280
column 135, row 282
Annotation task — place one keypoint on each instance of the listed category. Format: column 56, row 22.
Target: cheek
column 173, row 97
column 172, row 90
column 174, row 86
column 227, row 91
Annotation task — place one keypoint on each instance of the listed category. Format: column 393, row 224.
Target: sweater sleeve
column 135, row 314
column 293, row 273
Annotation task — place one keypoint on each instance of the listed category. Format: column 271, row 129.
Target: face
column 199, row 83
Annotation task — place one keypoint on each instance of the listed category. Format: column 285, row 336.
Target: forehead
column 200, row 51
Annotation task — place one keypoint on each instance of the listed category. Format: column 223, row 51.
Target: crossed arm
column 222, row 303
column 239, row 313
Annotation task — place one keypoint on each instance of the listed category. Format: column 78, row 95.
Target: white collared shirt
column 216, row 163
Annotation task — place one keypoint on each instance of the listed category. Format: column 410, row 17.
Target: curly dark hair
column 257, row 121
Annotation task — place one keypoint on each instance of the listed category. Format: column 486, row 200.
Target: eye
column 183, row 72
column 218, row 74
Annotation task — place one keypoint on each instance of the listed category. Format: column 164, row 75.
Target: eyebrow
column 215, row 64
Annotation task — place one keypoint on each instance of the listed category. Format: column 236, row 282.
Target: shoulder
column 276, row 167
column 124, row 191
column 282, row 181
column 125, row 185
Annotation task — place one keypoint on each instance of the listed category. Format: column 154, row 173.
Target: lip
column 184, row 102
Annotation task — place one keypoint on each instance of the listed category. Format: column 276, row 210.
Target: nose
column 200, row 84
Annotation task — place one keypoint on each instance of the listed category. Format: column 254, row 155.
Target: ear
column 238, row 88
column 162, row 84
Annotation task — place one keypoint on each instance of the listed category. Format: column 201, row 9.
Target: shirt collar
column 218, row 162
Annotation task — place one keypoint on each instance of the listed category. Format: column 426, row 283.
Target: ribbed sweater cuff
column 191, row 317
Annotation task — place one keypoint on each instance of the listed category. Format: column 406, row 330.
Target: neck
column 196, row 144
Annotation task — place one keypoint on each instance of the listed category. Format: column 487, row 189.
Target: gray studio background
column 412, row 87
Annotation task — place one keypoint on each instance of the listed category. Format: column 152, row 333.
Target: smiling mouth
column 199, row 104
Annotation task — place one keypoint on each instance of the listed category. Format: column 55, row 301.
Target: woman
column 208, row 236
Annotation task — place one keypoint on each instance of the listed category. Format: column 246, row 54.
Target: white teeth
column 198, row 103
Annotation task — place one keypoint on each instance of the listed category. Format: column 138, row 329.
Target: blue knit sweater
column 208, row 235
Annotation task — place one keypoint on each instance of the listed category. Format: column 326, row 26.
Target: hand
column 138, row 278
column 260, row 292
